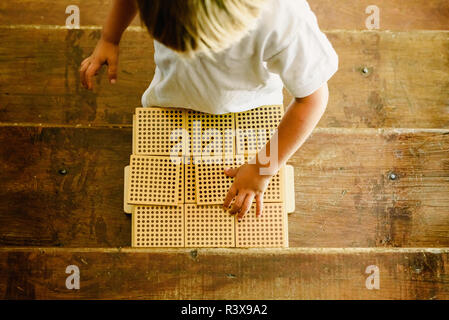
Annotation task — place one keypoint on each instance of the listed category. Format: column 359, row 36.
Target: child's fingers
column 231, row 172
column 238, row 203
column 231, row 194
column 83, row 74
column 90, row 73
column 259, row 205
column 246, row 206
column 85, row 61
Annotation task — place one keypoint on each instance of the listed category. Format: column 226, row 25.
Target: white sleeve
column 308, row 61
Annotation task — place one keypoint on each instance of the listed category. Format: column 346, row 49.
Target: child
column 221, row 56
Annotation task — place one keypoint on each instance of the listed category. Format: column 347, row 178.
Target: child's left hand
column 248, row 184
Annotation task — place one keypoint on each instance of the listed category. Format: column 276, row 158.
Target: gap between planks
column 70, row 126
column 317, row 129
column 229, row 251
column 141, row 29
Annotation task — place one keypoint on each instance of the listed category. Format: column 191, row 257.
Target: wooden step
column 405, row 84
column 331, row 14
column 297, row 273
column 354, row 188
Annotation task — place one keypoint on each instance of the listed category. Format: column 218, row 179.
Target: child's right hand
column 105, row 53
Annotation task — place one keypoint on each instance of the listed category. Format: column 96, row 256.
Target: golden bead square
column 189, row 181
column 153, row 181
column 153, row 129
column 267, row 231
column 158, row 226
column 210, row 135
column 181, row 176
column 212, row 184
column 255, row 127
column 275, row 191
column 208, row 226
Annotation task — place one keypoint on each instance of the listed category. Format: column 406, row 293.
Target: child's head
column 190, row 26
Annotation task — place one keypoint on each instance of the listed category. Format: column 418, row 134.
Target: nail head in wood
column 393, row 176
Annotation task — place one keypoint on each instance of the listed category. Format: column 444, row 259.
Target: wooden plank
column 42, row 206
column 41, row 83
column 391, row 94
column 332, row 14
column 344, row 194
column 39, row 77
column 224, row 273
column 394, row 14
column 41, row 12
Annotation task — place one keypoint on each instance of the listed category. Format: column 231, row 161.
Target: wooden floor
column 371, row 184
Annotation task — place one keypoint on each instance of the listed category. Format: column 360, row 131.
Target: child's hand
column 105, row 53
column 248, row 184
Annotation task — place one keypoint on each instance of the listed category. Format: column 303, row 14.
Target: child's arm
column 106, row 51
column 300, row 118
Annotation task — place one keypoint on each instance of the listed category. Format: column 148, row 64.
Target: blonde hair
column 192, row 26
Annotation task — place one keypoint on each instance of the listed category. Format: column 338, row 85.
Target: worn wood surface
column 407, row 84
column 42, row 206
column 39, row 77
column 332, row 14
column 344, row 196
column 62, row 184
column 224, row 274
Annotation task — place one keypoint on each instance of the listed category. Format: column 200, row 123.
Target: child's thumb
column 231, row 172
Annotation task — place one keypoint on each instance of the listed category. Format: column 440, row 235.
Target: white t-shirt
column 284, row 48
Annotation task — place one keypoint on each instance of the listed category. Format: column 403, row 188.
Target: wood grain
column 344, row 194
column 40, row 80
column 224, row 274
column 394, row 14
column 42, row 206
column 407, row 84
column 332, row 14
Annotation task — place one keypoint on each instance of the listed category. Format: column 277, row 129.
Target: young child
column 221, row 56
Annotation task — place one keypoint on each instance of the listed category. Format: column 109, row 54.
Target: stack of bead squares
column 176, row 184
